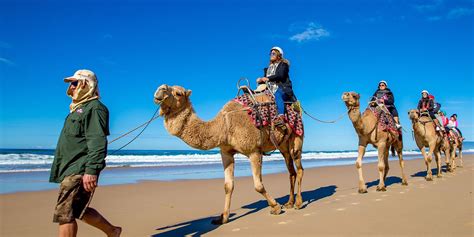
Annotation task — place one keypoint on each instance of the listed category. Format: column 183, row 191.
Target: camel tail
column 393, row 150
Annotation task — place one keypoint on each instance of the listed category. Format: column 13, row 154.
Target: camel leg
column 447, row 158
column 299, row 180
column 385, row 161
column 427, row 157
column 402, row 165
column 460, row 157
column 437, row 155
column 382, row 150
column 292, row 173
column 228, row 163
column 256, row 164
column 361, row 153
column 453, row 157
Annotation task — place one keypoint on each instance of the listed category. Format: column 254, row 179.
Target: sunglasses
column 74, row 83
column 382, row 85
column 273, row 54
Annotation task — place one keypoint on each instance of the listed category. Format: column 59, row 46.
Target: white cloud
column 434, row 18
column 312, row 32
column 436, row 4
column 5, row 45
column 107, row 36
column 6, row 61
column 459, row 12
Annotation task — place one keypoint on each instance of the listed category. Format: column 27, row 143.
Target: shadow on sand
column 388, row 181
column 434, row 171
column 202, row 226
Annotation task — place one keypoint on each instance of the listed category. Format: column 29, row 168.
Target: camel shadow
column 196, row 227
column 388, row 181
column 308, row 198
column 434, row 171
column 202, row 226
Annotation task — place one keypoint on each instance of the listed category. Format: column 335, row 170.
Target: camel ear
column 179, row 93
column 188, row 93
column 357, row 96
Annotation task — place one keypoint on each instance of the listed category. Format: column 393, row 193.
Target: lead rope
column 125, row 134
column 323, row 121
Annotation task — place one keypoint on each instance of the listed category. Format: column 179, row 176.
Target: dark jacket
column 82, row 145
column 282, row 79
column 427, row 104
column 389, row 99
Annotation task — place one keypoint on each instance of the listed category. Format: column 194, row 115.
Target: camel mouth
column 345, row 98
column 157, row 101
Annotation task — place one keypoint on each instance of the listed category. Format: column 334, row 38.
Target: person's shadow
column 202, row 226
column 434, row 171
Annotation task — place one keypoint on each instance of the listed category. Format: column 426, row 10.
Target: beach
column 332, row 206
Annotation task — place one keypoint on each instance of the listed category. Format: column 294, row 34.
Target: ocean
column 28, row 169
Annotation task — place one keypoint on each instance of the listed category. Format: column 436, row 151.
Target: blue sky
column 206, row 46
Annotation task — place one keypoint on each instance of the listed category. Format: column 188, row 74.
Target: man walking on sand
column 80, row 157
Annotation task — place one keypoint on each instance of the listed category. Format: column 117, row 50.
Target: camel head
column 351, row 99
column 414, row 114
column 171, row 98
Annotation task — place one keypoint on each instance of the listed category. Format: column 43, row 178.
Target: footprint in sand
column 402, row 192
column 340, row 209
column 307, row 214
column 342, row 196
column 236, row 229
column 385, row 195
column 355, row 203
column 353, row 194
column 284, row 222
column 378, row 199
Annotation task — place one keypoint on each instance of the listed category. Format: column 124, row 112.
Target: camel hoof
column 460, row 166
column 429, row 178
column 276, row 210
column 381, row 189
column 362, row 190
column 404, row 183
column 220, row 220
column 288, row 205
column 439, row 176
column 298, row 205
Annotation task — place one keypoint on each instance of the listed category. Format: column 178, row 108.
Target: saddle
column 261, row 108
column 385, row 120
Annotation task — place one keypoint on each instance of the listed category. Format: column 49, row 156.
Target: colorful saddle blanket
column 263, row 114
column 385, row 120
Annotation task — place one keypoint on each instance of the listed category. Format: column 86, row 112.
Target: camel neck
column 192, row 130
column 355, row 117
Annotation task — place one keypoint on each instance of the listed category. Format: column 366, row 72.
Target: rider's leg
column 394, row 113
column 280, row 104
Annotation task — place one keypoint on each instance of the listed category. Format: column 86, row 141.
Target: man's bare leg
column 68, row 229
column 94, row 218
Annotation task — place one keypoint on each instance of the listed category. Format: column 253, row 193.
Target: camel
column 365, row 127
column 427, row 137
column 456, row 144
column 233, row 132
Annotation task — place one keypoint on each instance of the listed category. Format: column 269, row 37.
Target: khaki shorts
column 73, row 200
